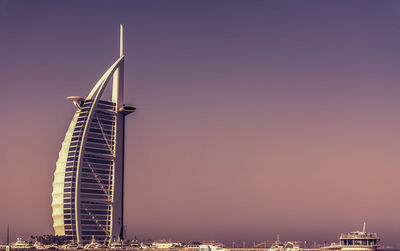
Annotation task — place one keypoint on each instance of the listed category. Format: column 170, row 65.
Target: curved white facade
column 58, row 184
column 88, row 181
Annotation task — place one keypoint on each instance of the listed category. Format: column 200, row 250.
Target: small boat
column 94, row 245
column 39, row 245
column 21, row 244
column 118, row 244
column 71, row 246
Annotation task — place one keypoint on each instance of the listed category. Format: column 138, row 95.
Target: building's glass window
column 105, row 107
column 71, row 163
column 101, row 161
column 104, row 116
column 106, row 102
column 95, row 145
column 80, row 124
column 97, row 151
column 96, row 166
column 69, row 190
column 67, row 205
column 92, row 191
column 104, row 127
column 93, row 233
column 92, row 222
column 106, row 122
column 96, row 140
column 103, row 178
column 72, row 159
column 94, row 130
column 94, row 196
column 97, row 212
column 107, row 172
column 79, row 128
column 74, row 148
column 98, row 217
column 94, row 186
column 75, row 138
column 93, row 227
column 94, row 206
column 75, row 134
column 100, row 136
column 74, row 143
column 89, row 180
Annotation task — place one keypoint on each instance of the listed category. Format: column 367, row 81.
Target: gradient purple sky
column 254, row 117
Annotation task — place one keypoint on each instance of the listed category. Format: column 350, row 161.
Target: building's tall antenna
column 118, row 77
column 121, row 41
column 364, row 227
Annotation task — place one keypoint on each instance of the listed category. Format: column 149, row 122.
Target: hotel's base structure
column 88, row 187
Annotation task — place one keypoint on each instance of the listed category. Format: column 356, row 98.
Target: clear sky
column 254, row 117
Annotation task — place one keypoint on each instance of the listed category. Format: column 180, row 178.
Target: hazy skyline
column 254, row 117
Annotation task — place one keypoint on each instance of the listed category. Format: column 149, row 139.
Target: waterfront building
column 88, row 187
column 356, row 241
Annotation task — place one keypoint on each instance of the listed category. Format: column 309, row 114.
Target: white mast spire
column 121, row 41
column 118, row 79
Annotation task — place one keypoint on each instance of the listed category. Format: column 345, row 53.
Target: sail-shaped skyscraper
column 88, row 187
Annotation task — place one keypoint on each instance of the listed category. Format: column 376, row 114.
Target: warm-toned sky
column 254, row 117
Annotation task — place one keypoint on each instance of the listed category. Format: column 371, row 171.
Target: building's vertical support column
column 122, row 233
column 117, row 97
column 8, row 234
column 118, row 179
